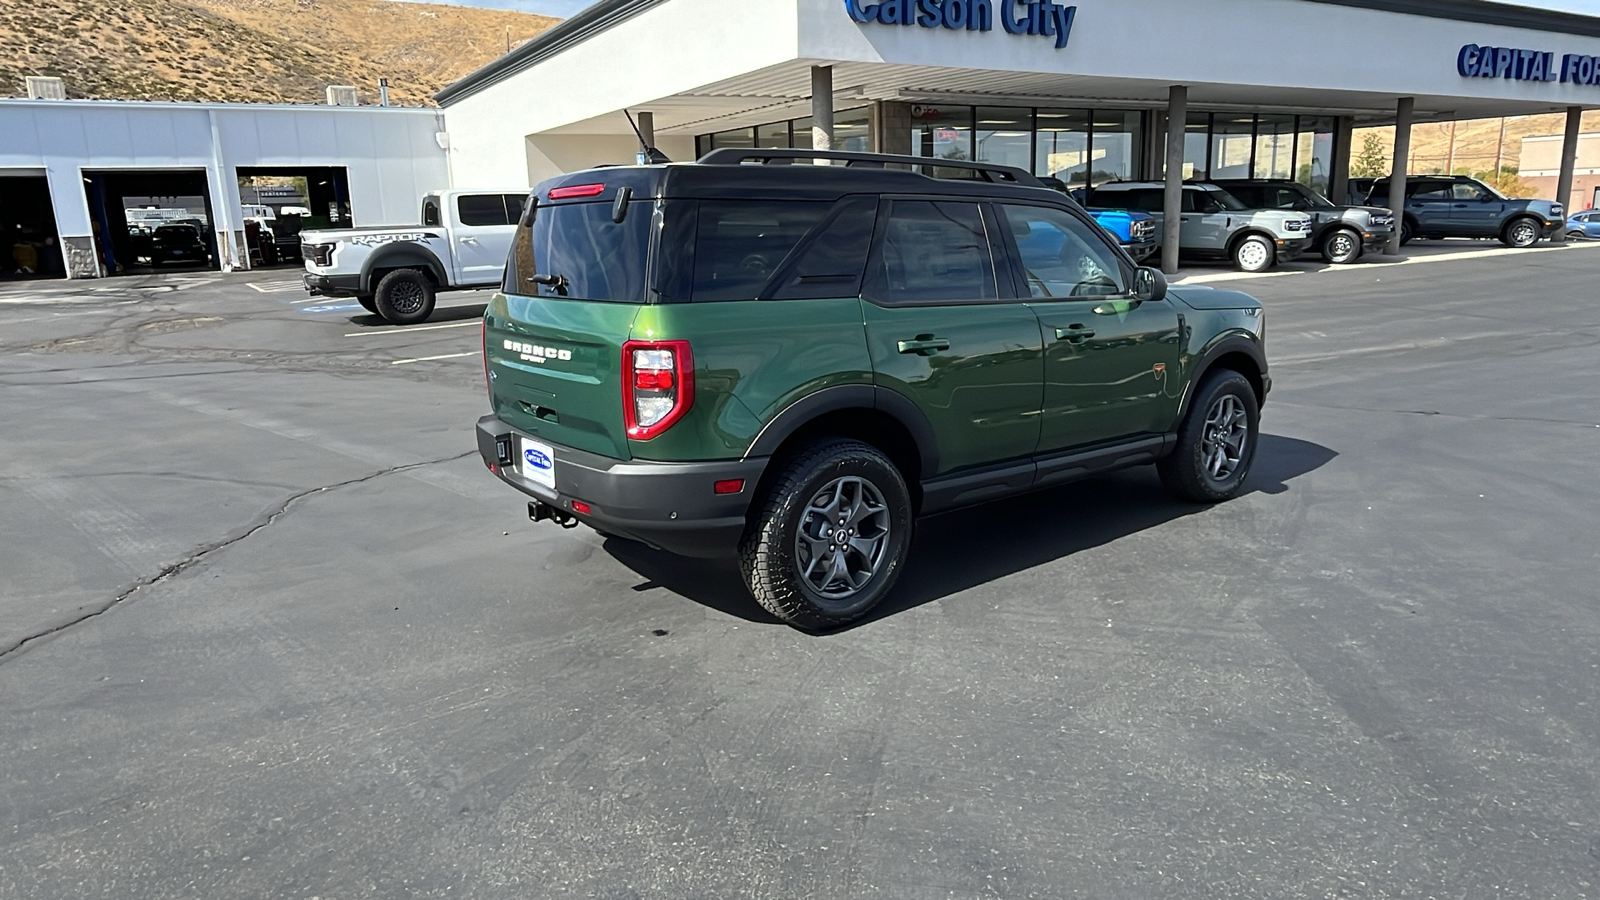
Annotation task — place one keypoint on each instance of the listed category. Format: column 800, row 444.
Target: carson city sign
column 1044, row 18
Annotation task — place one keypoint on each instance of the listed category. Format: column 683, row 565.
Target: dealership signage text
column 1526, row 65
column 1045, row 18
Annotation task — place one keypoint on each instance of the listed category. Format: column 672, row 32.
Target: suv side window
column 514, row 205
column 1464, row 191
column 1431, row 191
column 430, row 213
column 932, row 251
column 740, row 244
column 1060, row 256
column 482, row 209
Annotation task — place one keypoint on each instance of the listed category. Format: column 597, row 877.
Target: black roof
column 602, row 15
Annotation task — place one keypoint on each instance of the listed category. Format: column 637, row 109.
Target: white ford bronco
column 395, row 271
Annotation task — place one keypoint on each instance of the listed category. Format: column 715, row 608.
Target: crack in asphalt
column 172, row 570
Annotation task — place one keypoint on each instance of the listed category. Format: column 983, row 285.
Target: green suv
column 791, row 363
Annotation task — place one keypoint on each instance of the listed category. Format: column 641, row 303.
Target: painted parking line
column 276, row 287
column 341, row 307
column 377, row 332
column 401, row 362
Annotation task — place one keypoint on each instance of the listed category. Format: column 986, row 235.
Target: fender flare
column 405, row 255
column 850, row 396
column 1233, row 344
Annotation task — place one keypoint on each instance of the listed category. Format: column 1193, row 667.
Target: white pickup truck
column 396, row 271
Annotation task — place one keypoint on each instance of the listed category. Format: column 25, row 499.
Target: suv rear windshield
column 596, row 258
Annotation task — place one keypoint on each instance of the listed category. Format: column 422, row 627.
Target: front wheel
column 1216, row 440
column 1521, row 234
column 404, row 297
column 1341, row 247
column 1254, row 254
column 829, row 536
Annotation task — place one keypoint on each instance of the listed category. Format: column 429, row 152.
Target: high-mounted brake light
column 577, row 190
column 657, row 386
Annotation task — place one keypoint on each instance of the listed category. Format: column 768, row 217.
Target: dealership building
column 1090, row 92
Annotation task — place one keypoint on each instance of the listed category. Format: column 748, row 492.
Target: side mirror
column 1486, row 198
column 1149, row 285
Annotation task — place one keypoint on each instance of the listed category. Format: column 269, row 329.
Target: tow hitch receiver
column 543, row 512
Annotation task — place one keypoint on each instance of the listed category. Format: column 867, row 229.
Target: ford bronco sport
column 1216, row 225
column 791, row 363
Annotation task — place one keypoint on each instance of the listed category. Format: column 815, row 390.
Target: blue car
column 1134, row 229
column 1584, row 225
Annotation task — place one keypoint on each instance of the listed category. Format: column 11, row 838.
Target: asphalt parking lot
column 268, row 629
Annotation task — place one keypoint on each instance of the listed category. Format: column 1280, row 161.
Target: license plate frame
column 536, row 461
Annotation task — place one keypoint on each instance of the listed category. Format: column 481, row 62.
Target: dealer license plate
column 537, row 462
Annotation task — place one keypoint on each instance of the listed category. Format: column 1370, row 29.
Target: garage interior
column 126, row 249
column 30, row 246
column 324, row 190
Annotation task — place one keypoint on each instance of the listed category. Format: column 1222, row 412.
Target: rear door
column 1111, row 363
column 1206, row 226
column 942, row 333
column 1432, row 205
column 481, row 233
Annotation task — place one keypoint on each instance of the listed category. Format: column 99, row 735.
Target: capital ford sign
column 1043, row 18
column 1514, row 64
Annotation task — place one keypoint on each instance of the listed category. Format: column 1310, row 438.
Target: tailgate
column 555, row 366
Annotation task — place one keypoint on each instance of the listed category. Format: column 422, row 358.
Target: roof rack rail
column 992, row 172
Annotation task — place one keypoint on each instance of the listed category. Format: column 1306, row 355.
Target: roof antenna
column 648, row 155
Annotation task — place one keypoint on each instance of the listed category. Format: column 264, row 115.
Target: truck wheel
column 829, row 536
column 404, row 297
column 1341, row 247
column 1520, row 233
column 1254, row 254
column 1216, row 440
column 367, row 302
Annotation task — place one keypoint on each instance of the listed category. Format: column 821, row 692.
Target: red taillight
column 657, row 386
column 577, row 190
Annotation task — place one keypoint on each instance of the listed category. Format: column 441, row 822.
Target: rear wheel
column 1216, row 441
column 829, row 536
column 1341, row 247
column 1520, row 233
column 1254, row 254
column 1408, row 232
column 404, row 297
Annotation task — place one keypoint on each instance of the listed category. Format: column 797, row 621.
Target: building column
column 1402, row 163
column 822, row 108
column 891, row 127
column 1569, row 163
column 1172, row 203
column 1344, row 134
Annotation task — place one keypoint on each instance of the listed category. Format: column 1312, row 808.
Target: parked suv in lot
column 1217, row 226
column 1340, row 233
column 791, row 363
column 1134, row 229
column 1440, row 206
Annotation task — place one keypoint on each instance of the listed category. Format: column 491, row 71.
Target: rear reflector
column 578, row 506
column 577, row 190
column 731, row 486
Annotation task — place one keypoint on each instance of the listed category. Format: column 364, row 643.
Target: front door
column 943, row 334
column 1111, row 362
column 1476, row 211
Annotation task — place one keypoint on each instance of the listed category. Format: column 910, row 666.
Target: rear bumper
column 671, row 506
column 332, row 285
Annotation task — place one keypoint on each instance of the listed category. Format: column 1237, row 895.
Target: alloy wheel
column 1226, row 437
column 1341, row 246
column 406, row 297
column 1524, row 235
column 1253, row 256
column 842, row 539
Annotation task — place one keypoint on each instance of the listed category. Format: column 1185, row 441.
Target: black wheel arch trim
column 843, row 397
column 403, row 256
column 1207, row 361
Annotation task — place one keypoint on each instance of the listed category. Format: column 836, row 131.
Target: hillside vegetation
column 1478, row 145
column 262, row 51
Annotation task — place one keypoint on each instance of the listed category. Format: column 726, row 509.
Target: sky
column 565, row 8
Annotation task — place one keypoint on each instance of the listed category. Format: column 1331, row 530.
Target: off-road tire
column 1254, row 254
column 1341, row 246
column 404, row 297
column 1520, row 233
column 769, row 552
column 1408, row 232
column 368, row 302
column 1185, row 472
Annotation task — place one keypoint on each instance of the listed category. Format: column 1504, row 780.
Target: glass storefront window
column 1114, row 145
column 1232, row 140
column 852, row 130
column 1275, row 146
column 1005, row 136
column 774, row 135
column 802, row 133
column 1314, row 155
column 1196, row 147
column 738, row 137
column 942, row 133
column 1063, row 148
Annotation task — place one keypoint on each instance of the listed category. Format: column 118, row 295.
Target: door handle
column 923, row 345
column 468, row 240
column 1075, row 334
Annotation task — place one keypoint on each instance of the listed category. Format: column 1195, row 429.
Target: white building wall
column 391, row 155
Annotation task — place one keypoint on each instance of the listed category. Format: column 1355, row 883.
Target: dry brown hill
column 265, row 51
column 1477, row 144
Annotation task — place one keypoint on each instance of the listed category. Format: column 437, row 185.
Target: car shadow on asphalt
column 955, row 551
column 441, row 314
